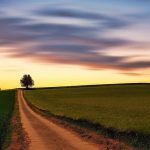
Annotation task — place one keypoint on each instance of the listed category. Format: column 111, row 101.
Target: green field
column 7, row 100
column 123, row 107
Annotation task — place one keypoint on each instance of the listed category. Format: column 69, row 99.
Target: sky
column 74, row 42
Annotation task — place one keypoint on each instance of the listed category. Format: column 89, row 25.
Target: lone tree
column 27, row 81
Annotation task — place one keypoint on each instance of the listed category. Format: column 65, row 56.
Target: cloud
column 62, row 12
column 102, row 19
column 137, row 64
column 134, row 74
column 43, row 40
column 12, row 20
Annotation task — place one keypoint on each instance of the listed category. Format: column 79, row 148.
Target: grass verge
column 18, row 139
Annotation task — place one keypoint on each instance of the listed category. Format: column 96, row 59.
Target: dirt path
column 45, row 135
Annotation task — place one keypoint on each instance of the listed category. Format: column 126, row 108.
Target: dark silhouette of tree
column 27, row 81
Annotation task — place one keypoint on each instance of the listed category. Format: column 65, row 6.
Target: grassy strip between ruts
column 19, row 139
column 84, row 129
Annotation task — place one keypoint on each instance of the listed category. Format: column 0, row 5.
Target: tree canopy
column 27, row 81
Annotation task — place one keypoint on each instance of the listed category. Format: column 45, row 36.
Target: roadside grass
column 18, row 138
column 117, row 111
column 7, row 101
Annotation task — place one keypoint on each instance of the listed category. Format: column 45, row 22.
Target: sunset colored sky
column 74, row 42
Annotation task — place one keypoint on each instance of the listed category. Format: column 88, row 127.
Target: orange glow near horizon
column 63, row 75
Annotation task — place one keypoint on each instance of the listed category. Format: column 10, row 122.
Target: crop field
column 122, row 108
column 7, row 100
